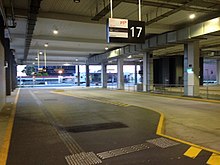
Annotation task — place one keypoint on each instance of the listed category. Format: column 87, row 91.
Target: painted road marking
column 192, row 152
column 214, row 159
column 94, row 99
column 5, row 147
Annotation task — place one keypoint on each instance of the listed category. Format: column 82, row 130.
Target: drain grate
column 123, row 151
column 83, row 158
column 162, row 142
column 95, row 127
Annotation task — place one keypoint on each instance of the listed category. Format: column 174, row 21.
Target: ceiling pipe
column 169, row 13
column 31, row 22
column 12, row 15
column 106, row 10
column 2, row 10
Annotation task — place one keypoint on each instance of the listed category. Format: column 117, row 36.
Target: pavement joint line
column 5, row 147
column 161, row 128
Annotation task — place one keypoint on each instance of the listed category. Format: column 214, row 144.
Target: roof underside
column 82, row 29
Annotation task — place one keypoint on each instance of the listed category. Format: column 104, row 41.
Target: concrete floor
column 192, row 121
column 189, row 120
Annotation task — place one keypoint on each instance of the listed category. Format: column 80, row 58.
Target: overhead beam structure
column 163, row 40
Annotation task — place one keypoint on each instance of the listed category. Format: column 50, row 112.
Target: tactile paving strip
column 162, row 142
column 122, row 151
column 84, row 158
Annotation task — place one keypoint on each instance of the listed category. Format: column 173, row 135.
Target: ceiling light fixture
column 40, row 52
column 77, row 1
column 130, row 56
column 192, row 16
column 55, row 31
column 46, row 45
column 66, row 64
column 77, row 59
column 106, row 48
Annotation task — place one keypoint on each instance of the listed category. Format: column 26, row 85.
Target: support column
column 78, row 75
column 135, row 74
column 14, row 73
column 8, row 60
column 87, row 76
column 120, row 83
column 104, row 75
column 201, row 67
column 191, row 69
column 2, row 68
column 147, row 72
column 218, row 72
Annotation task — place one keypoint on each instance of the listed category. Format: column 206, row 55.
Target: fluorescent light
column 106, row 48
column 76, row 1
column 55, row 31
column 66, row 64
column 192, row 16
column 130, row 56
column 46, row 45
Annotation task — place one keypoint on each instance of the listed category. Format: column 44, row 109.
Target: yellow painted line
column 5, row 147
column 192, row 152
column 214, row 159
column 161, row 129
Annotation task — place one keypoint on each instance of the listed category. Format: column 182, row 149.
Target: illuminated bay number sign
column 125, row 31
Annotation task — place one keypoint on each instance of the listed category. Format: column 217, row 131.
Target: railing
column 208, row 91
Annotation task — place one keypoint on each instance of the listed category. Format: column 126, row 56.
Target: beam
column 169, row 13
column 105, row 11
column 61, row 39
column 171, row 6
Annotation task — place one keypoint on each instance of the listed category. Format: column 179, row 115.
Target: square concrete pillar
column 191, row 69
column 120, row 81
column 87, row 76
column 104, row 75
column 147, row 72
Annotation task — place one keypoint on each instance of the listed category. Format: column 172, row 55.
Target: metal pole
column 111, row 8
column 38, row 60
column 139, row 6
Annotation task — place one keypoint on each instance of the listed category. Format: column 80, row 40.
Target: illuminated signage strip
column 118, row 34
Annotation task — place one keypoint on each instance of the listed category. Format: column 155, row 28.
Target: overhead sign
column 125, row 31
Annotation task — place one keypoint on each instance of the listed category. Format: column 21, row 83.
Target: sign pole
column 38, row 60
column 111, row 8
column 139, row 6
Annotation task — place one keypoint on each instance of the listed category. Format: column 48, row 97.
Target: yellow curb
column 160, row 131
column 5, row 147
column 161, row 128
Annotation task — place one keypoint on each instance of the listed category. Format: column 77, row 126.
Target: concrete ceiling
column 82, row 29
